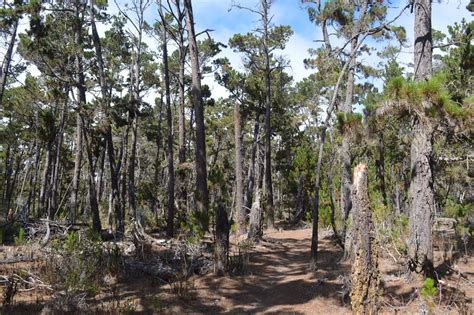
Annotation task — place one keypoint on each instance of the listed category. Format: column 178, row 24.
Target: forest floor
column 274, row 279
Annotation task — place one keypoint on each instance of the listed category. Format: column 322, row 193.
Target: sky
column 219, row 16
column 225, row 20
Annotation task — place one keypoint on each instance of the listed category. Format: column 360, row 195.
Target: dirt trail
column 277, row 280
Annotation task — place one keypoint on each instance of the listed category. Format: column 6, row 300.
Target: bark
column 256, row 213
column 169, row 151
column 268, row 128
column 251, row 172
column 202, row 194
column 314, row 234
column 421, row 194
column 346, row 155
column 299, row 202
column 183, row 193
column 332, row 204
column 221, row 240
column 7, row 176
column 54, row 186
column 182, row 99
column 124, row 163
column 365, row 277
column 423, row 40
column 114, row 168
column 240, row 213
column 157, row 158
column 422, row 200
column 81, row 99
column 44, row 181
column 131, row 167
column 380, row 166
column 33, row 179
column 92, row 193
column 8, row 58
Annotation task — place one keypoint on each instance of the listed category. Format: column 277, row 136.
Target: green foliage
column 429, row 290
column 20, row 239
column 79, row 263
column 430, row 96
column 348, row 121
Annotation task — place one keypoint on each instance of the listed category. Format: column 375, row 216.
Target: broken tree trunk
column 365, row 273
column 221, row 241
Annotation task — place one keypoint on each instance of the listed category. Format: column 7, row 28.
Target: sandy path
column 277, row 280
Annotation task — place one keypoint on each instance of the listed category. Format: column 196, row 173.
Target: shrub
column 428, row 290
column 20, row 239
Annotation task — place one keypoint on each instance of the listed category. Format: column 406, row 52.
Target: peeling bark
column 365, row 272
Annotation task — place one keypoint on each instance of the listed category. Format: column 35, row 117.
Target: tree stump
column 221, row 241
column 365, row 273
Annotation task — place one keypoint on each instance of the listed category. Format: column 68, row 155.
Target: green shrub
column 428, row 290
column 20, row 239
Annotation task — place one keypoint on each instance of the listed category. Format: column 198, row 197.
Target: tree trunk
column 299, row 202
column 44, row 181
column 54, row 186
column 169, row 121
column 81, row 99
column 365, row 273
column 346, row 155
column 221, row 241
column 317, row 184
column 268, row 123
column 256, row 213
column 240, row 212
column 421, row 200
column 131, row 167
column 114, row 168
column 380, row 166
column 7, row 60
column 202, row 194
column 123, row 175
column 421, row 196
column 92, row 193
column 251, row 171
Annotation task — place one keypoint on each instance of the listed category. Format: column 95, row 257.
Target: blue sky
column 215, row 14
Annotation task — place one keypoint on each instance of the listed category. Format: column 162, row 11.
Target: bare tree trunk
column 44, row 181
column 270, row 209
column 299, row 202
column 7, row 176
column 158, row 159
column 380, row 165
column 422, row 201
column 365, row 272
column 202, row 194
column 123, row 176
column 240, row 212
column 169, row 122
column 256, row 213
column 7, row 60
column 131, row 167
column 92, row 193
column 54, row 186
column 314, row 235
column 346, row 155
column 81, row 99
column 251, row 171
column 114, row 168
column 221, row 241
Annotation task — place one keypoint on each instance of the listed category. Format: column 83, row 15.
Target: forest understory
column 169, row 277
